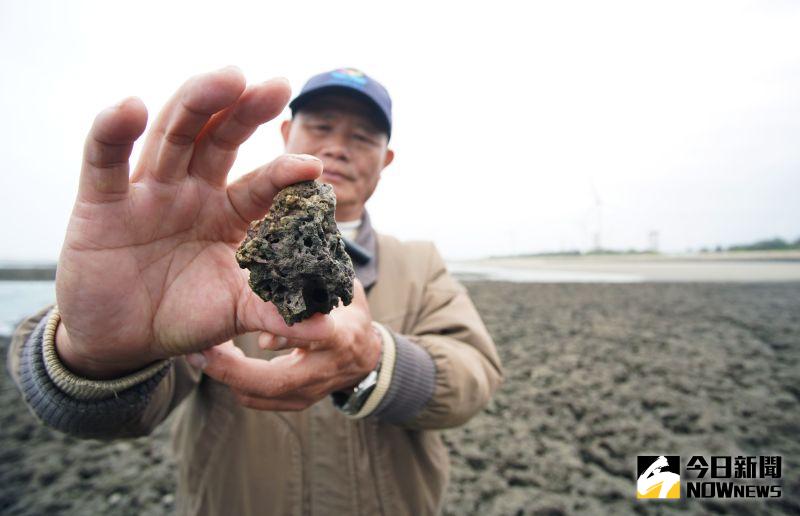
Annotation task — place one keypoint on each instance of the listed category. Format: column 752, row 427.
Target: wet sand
column 737, row 267
column 595, row 375
column 598, row 374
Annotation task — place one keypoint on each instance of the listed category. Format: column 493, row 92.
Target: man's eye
column 321, row 127
column 362, row 138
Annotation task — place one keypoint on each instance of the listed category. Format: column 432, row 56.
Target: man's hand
column 313, row 369
column 147, row 269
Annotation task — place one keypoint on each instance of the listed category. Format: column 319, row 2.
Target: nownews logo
column 719, row 477
column 658, row 477
column 737, row 468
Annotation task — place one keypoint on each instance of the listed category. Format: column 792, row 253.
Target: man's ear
column 388, row 158
column 286, row 127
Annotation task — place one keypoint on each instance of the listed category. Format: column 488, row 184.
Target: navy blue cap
column 352, row 82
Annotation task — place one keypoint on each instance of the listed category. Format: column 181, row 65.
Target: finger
column 104, row 174
column 308, row 345
column 262, row 378
column 273, row 342
column 198, row 360
column 359, row 299
column 278, row 343
column 265, row 340
column 171, row 142
column 253, row 314
column 215, row 150
column 229, row 346
column 251, row 195
column 359, row 295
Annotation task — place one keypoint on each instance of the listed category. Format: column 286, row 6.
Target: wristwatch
column 350, row 401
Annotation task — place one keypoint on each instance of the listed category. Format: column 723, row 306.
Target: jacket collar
column 367, row 273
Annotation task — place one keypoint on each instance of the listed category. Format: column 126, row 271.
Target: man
column 334, row 415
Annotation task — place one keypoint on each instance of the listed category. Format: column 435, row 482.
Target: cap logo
column 350, row 76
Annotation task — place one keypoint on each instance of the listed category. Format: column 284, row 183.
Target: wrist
column 376, row 338
column 373, row 352
column 371, row 344
column 361, row 400
column 85, row 366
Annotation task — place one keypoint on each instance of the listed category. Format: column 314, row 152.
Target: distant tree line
column 773, row 244
column 37, row 273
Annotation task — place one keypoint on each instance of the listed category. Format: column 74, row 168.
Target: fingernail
column 265, row 340
column 198, row 360
column 280, row 342
column 229, row 68
column 122, row 102
column 305, row 157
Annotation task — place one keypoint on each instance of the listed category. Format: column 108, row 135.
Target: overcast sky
column 519, row 126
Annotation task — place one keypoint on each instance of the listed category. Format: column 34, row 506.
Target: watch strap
column 384, row 372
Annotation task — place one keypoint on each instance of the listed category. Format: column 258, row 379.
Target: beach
column 595, row 374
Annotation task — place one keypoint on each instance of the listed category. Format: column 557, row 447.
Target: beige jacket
column 234, row 460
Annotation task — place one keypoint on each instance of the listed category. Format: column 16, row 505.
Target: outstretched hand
column 147, row 269
column 313, row 369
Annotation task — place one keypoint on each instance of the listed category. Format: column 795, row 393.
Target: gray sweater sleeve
column 131, row 412
column 117, row 416
column 413, row 382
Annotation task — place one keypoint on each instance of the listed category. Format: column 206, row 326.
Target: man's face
column 341, row 132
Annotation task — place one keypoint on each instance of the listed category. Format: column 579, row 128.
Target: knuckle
column 223, row 143
column 342, row 361
column 282, row 161
column 177, row 139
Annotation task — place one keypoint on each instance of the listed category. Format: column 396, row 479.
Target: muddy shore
column 595, row 375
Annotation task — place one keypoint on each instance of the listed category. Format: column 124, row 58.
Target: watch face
column 350, row 402
column 369, row 381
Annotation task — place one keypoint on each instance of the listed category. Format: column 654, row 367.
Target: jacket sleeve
column 446, row 368
column 132, row 412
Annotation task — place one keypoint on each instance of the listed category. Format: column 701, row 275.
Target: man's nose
column 336, row 148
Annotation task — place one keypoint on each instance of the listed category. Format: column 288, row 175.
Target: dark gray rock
column 296, row 255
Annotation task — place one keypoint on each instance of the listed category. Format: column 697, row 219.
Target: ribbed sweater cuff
column 83, row 388
column 59, row 410
column 412, row 385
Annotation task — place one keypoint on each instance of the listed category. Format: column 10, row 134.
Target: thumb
column 251, row 195
column 254, row 314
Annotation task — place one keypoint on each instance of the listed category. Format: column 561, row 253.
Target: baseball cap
column 351, row 82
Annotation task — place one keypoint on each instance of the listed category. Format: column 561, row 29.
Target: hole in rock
column 316, row 295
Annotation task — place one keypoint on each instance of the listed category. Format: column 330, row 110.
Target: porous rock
column 296, row 256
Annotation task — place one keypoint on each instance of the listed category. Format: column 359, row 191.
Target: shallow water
column 518, row 275
column 19, row 299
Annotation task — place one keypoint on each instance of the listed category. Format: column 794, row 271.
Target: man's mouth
column 335, row 175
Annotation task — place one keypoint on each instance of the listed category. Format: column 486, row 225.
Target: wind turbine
column 598, row 207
